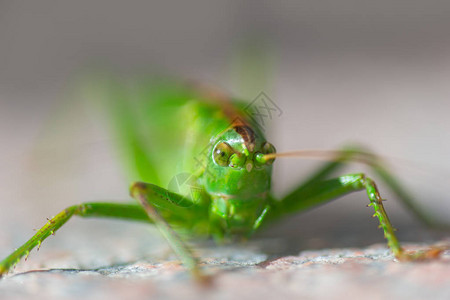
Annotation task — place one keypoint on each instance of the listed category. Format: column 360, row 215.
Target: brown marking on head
column 247, row 134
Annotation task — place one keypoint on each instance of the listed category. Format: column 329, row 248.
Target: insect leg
column 358, row 154
column 148, row 195
column 319, row 192
column 109, row 210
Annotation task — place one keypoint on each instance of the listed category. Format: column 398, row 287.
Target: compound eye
column 268, row 148
column 222, row 153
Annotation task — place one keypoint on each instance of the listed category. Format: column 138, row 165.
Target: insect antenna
column 329, row 155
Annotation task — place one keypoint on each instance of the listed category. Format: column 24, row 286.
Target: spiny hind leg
column 377, row 165
column 319, row 192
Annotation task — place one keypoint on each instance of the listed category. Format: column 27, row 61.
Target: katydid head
column 235, row 167
column 237, row 179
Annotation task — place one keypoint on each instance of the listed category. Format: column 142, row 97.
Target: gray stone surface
column 242, row 272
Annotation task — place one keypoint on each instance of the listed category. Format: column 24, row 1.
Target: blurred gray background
column 372, row 72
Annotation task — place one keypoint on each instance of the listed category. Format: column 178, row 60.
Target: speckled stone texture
column 238, row 272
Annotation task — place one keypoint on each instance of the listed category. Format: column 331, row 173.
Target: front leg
column 124, row 211
column 316, row 193
column 149, row 195
column 177, row 209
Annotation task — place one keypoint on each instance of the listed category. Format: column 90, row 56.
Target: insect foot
column 434, row 252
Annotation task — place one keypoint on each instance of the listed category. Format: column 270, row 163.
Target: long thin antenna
column 328, row 155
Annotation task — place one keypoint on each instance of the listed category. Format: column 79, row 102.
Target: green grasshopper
column 171, row 133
